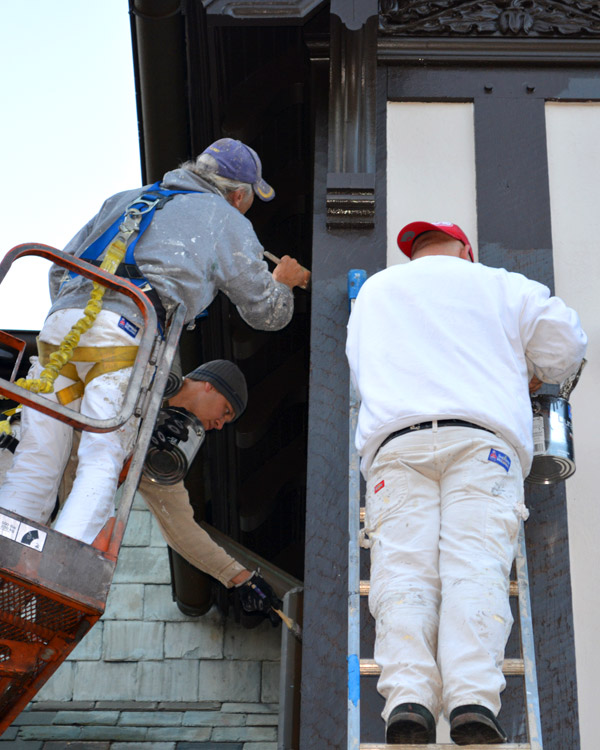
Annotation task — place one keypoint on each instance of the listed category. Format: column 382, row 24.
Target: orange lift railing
column 53, row 588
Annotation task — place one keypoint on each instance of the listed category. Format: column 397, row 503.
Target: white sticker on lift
column 9, row 527
column 22, row 533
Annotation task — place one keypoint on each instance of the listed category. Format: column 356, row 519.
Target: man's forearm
column 171, row 507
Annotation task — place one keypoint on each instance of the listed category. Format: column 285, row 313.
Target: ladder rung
column 445, row 746
column 365, row 588
column 510, row 667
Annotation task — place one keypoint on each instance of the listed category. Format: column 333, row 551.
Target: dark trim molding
column 484, row 51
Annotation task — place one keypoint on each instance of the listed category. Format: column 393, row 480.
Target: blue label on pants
column 129, row 327
column 500, row 458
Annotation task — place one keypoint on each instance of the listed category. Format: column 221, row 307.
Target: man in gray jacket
column 197, row 244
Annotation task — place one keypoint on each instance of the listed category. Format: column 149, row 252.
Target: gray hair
column 206, row 166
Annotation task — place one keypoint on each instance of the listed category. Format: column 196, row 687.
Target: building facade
column 368, row 115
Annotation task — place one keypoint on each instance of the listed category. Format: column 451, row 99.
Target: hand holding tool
column 277, row 261
column 257, row 596
column 291, row 625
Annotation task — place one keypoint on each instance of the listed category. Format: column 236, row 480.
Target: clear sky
column 68, row 132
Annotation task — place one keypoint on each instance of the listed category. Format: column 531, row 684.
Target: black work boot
column 475, row 725
column 410, row 724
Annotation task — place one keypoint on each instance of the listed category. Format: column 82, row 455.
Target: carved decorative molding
column 350, row 200
column 485, row 18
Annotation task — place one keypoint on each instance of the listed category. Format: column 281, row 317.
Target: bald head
column 438, row 243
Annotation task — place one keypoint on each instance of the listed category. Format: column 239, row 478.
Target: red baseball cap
column 410, row 232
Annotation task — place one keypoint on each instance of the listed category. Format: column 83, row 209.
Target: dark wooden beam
column 480, row 51
column 325, row 645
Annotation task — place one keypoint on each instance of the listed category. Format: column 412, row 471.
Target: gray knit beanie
column 227, row 378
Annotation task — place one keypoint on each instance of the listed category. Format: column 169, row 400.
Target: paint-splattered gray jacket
column 194, row 247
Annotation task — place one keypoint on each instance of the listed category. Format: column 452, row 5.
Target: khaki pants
column 170, row 505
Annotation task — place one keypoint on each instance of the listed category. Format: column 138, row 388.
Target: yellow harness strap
column 107, row 359
column 64, row 353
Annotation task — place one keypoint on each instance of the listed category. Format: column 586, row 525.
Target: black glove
column 172, row 429
column 257, row 596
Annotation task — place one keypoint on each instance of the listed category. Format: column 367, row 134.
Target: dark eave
column 263, row 13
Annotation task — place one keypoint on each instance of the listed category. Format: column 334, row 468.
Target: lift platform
column 53, row 588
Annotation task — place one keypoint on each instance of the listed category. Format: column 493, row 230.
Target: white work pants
column 31, row 485
column 442, row 516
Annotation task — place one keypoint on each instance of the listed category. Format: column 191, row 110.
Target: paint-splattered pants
column 31, row 485
column 443, row 511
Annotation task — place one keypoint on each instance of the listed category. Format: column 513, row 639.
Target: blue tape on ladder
column 353, row 679
column 356, row 278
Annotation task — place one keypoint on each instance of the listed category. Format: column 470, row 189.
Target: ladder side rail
column 151, row 407
column 532, row 700
column 353, row 580
column 356, row 278
column 130, row 402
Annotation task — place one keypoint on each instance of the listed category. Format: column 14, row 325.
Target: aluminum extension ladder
column 357, row 667
column 53, row 588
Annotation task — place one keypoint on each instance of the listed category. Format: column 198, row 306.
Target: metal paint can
column 168, row 460
column 175, row 379
column 553, row 453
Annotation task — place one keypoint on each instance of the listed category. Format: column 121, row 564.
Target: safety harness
column 146, row 205
column 107, row 359
column 119, row 242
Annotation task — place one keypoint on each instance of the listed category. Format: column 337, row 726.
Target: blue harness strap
column 147, row 203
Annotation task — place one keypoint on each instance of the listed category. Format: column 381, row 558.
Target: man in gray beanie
column 224, row 377
column 215, row 393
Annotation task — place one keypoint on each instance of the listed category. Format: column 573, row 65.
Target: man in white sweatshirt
column 443, row 352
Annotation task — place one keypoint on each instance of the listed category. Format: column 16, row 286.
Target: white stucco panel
column 573, row 133
column 430, row 168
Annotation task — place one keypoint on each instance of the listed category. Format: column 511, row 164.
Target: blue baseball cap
column 240, row 162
